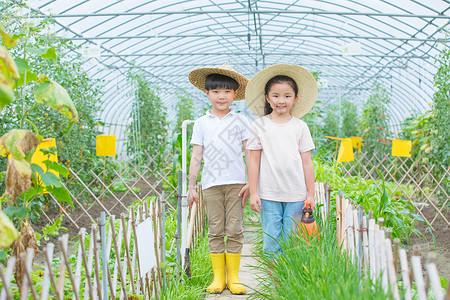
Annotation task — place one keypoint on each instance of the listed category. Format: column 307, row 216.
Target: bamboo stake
column 90, row 259
column 338, row 220
column 117, row 249
column 396, row 247
column 62, row 271
column 28, row 283
column 418, row 277
column 158, row 266
column 117, row 264
column 78, row 267
column 48, row 251
column 391, row 269
column 405, row 273
column 46, row 280
column 127, row 253
column 149, row 285
column 163, row 234
column 87, row 266
column 383, row 260
column 154, row 284
column 96, row 262
column 434, row 276
column 63, row 244
column 5, row 290
column 134, row 224
column 372, row 252
column 366, row 245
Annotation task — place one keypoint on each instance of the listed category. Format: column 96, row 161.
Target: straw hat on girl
column 198, row 76
column 307, row 89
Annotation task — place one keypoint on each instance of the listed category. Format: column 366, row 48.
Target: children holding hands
column 278, row 152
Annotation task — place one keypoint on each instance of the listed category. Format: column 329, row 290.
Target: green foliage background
column 147, row 132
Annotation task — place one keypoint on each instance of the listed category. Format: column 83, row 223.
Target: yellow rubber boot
column 218, row 265
column 233, row 261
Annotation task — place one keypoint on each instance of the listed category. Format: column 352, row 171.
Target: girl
column 281, row 174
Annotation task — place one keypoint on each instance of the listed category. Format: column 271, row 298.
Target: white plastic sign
column 146, row 246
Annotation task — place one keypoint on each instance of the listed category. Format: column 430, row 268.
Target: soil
column 426, row 243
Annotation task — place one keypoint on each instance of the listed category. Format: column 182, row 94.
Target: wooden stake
column 418, row 277
column 116, row 248
column 87, row 267
column 396, row 246
column 96, row 262
column 5, row 289
column 63, row 244
column 405, row 274
column 48, row 259
column 127, row 253
column 434, row 276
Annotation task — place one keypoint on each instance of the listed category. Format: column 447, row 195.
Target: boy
column 219, row 138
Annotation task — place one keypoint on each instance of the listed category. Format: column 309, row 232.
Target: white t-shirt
column 222, row 148
column 281, row 176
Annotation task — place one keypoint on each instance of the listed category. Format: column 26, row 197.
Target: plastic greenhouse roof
column 399, row 41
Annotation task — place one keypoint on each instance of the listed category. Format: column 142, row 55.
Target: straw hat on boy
column 307, row 89
column 198, row 76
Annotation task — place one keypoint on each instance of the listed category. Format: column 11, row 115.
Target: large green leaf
column 48, row 178
column 8, row 233
column 6, row 95
column 24, row 68
column 18, row 212
column 57, row 98
column 61, row 194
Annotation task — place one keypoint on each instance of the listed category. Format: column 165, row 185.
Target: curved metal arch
column 406, row 91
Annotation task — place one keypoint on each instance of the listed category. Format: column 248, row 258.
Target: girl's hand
column 312, row 202
column 255, row 203
column 245, row 193
column 192, row 196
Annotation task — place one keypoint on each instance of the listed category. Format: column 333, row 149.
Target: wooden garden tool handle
column 191, row 225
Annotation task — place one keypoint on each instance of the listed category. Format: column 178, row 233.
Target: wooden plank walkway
column 247, row 273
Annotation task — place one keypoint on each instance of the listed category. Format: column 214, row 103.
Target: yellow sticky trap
column 106, row 145
column 38, row 157
column 357, row 142
column 401, row 148
column 346, row 151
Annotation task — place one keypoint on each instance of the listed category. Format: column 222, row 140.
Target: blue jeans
column 278, row 219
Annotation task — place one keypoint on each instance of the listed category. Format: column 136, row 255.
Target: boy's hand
column 313, row 203
column 245, row 193
column 255, row 203
column 192, row 196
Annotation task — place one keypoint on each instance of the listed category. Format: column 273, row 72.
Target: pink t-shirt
column 281, row 176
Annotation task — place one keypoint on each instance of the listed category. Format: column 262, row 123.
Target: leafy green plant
column 50, row 230
column 374, row 121
column 147, row 132
column 398, row 213
column 314, row 270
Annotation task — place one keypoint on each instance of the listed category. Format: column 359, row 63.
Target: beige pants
column 225, row 214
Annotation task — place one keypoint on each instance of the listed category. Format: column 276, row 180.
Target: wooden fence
column 369, row 245
column 106, row 263
column 425, row 185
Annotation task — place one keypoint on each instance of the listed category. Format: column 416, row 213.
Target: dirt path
column 247, row 273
